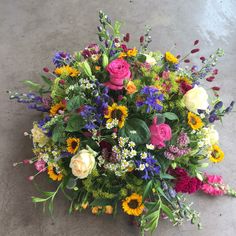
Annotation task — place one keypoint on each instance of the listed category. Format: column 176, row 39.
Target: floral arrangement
column 126, row 127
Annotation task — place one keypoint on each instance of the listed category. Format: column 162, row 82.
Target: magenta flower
column 213, row 185
column 119, row 71
column 159, row 133
column 40, row 165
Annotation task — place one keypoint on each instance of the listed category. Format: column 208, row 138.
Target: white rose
column 39, row 136
column 196, row 98
column 213, row 135
column 82, row 163
column 150, row 60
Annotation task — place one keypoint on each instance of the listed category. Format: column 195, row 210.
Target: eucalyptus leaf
column 75, row 123
column 73, row 103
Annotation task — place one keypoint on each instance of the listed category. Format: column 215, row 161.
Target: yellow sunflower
column 66, row 70
column 217, row 155
column 54, row 174
column 171, row 58
column 117, row 112
column 194, row 121
column 57, row 107
column 133, row 205
column 72, row 145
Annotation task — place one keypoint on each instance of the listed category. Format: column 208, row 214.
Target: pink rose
column 159, row 133
column 40, row 165
column 119, row 71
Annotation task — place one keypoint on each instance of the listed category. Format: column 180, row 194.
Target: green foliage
column 137, row 130
column 75, row 123
column 74, row 103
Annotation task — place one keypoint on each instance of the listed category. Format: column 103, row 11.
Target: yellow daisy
column 132, row 52
column 73, row 145
column 117, row 112
column 56, row 108
column 66, row 70
column 171, row 58
column 217, row 155
column 133, row 205
column 54, row 174
column 194, row 121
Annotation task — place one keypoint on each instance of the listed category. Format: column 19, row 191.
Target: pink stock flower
column 213, row 185
column 159, row 133
column 119, row 71
column 40, row 165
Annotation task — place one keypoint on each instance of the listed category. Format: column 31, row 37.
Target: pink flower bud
column 141, row 39
column 186, row 60
column 30, row 178
column 215, row 88
column 196, row 42
column 26, row 161
column 210, row 79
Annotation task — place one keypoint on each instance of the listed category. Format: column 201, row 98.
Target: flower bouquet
column 126, row 127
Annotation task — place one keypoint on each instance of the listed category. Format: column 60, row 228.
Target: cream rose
column 82, row 163
column 39, row 136
column 196, row 98
column 150, row 60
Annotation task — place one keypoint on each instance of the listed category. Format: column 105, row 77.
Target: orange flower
column 131, row 88
column 108, row 210
column 132, row 52
column 122, row 55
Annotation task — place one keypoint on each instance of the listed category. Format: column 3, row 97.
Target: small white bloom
column 133, row 132
column 202, row 115
column 114, row 135
column 150, row 146
column 147, row 165
column 132, row 153
column 109, row 125
column 131, row 144
column 141, row 167
column 143, row 155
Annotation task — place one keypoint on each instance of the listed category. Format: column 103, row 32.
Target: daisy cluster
column 126, row 126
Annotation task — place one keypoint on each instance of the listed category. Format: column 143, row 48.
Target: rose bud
column 127, row 37
column 62, row 81
column 178, row 57
column 196, row 42
column 195, row 50
column 186, row 60
column 45, row 69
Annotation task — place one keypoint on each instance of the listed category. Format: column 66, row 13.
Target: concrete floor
column 32, row 30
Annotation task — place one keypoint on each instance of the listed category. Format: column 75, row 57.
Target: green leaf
column 58, row 133
column 167, row 211
column 32, row 85
column 105, row 60
column 71, row 183
column 141, row 58
column 137, row 130
column 86, row 68
column 75, row 123
column 38, row 199
column 170, row 116
column 46, row 80
column 117, row 26
column 73, row 103
column 166, row 176
column 102, row 202
column 147, row 189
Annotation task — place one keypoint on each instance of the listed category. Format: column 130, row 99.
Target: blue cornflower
column 151, row 99
column 148, row 166
column 60, row 58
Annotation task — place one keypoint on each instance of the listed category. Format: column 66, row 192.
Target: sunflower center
column 193, row 121
column 74, row 144
column 116, row 114
column 215, row 154
column 133, row 204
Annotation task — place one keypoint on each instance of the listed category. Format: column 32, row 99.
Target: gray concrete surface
column 32, row 30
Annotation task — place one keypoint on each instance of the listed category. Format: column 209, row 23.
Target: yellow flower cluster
column 67, row 70
column 130, row 53
column 194, row 121
column 217, row 155
column 171, row 58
